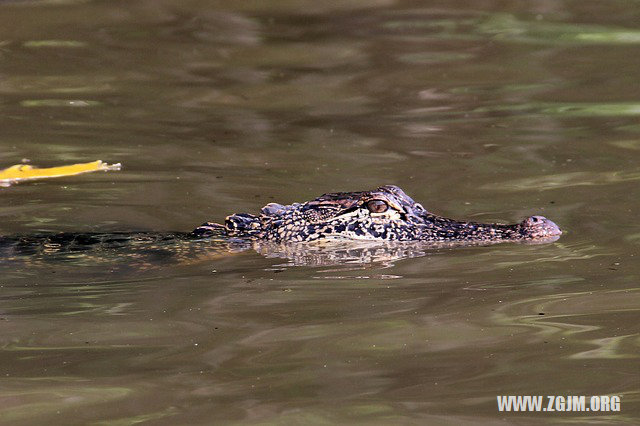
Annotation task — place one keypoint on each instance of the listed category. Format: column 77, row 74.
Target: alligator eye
column 377, row 206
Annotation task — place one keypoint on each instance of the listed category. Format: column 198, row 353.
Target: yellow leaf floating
column 22, row 172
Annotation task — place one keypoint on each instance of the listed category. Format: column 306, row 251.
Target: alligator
column 385, row 214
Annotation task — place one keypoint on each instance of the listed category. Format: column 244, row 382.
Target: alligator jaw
column 532, row 229
column 539, row 228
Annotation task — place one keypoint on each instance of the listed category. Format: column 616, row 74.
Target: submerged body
column 385, row 215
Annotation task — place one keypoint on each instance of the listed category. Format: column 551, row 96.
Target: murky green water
column 487, row 111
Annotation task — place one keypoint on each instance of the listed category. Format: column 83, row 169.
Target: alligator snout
column 540, row 227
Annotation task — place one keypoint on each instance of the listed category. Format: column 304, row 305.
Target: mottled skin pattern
column 383, row 214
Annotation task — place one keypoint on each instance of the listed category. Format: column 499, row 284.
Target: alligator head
column 384, row 214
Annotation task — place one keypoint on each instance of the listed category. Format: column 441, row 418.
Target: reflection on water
column 138, row 252
column 566, row 180
column 483, row 111
column 509, row 28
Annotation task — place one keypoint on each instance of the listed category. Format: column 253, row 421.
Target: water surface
column 490, row 111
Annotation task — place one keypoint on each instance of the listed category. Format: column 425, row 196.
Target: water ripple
column 564, row 180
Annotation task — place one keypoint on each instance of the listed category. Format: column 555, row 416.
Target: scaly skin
column 383, row 214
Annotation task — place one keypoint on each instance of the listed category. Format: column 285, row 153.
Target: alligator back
column 141, row 248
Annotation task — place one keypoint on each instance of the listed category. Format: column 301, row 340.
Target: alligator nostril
column 537, row 219
column 540, row 227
